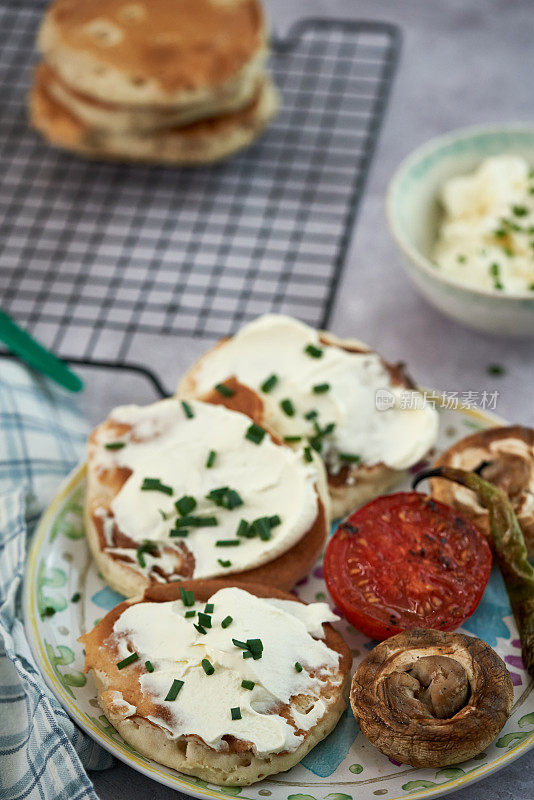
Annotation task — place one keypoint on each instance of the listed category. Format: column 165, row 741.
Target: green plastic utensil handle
column 25, row 347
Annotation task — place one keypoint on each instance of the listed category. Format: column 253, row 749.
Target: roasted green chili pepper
column 508, row 546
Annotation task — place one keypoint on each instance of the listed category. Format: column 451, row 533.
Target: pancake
column 155, row 52
column 141, row 533
column 197, row 143
column 509, row 453
column 285, row 708
column 115, row 117
column 368, row 449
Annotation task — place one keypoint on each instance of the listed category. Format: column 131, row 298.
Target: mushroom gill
column 435, row 686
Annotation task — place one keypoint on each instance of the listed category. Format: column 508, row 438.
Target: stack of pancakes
column 162, row 81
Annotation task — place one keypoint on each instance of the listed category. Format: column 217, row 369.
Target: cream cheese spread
column 486, row 239
column 173, row 498
column 294, row 661
column 324, row 394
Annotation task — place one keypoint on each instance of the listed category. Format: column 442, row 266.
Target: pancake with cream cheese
column 229, row 684
column 199, row 490
column 336, row 396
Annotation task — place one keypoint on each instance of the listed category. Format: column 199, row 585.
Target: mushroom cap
column 391, row 696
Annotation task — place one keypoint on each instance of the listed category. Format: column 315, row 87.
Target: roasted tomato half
column 406, row 561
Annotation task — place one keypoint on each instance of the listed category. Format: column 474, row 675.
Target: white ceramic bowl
column 413, row 214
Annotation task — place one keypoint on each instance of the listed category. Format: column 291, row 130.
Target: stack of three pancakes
column 168, row 81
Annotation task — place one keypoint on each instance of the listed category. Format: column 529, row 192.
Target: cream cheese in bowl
column 486, row 238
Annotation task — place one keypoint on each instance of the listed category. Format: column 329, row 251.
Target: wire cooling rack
column 114, row 265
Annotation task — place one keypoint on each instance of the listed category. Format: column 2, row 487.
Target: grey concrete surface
column 464, row 62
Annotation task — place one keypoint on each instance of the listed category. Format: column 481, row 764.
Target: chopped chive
column 164, row 516
column 291, row 439
column 204, row 620
column 240, row 644
column 115, row 445
column 149, row 667
column 308, row 454
column 255, row 647
column 211, row 459
column 255, row 433
column 235, row 712
column 298, row 666
column 188, row 598
column 321, row 388
column 312, row 414
column 262, row 528
column 174, row 690
column 495, row 369
column 226, row 622
column 224, row 390
column 188, row 411
column 274, row 520
column 531, row 287
column 128, row 660
column 225, row 498
column 350, row 457
column 316, row 444
column 242, row 528
column 209, row 608
column 248, row 685
column 224, row 562
column 75, row 597
column 146, row 547
column 508, row 251
column 313, row 351
column 49, row 611
column 190, row 613
column 196, row 522
column 185, row 505
column 182, row 532
column 208, row 668
column 200, row 629
column 269, row 384
column 155, row 485
column 520, row 211
column 247, row 654
column 494, row 270
column 227, row 542
column 287, row 407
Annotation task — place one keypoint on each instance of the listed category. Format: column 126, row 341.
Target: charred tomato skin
column 406, row 561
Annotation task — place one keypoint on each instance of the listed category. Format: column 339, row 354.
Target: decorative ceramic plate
column 61, row 576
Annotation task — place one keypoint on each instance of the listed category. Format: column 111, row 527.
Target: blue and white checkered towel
column 43, row 756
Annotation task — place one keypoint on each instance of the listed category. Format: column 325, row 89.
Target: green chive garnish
column 196, row 522
column 520, row 211
column 235, row 712
column 75, row 597
column 274, row 520
column 115, row 445
column 248, row 685
column 211, row 459
column 146, row 547
column 200, row 629
column 287, row 407
column 495, row 369
column 239, row 643
column 188, row 411
column 321, row 388
column 189, row 614
column 308, row 454
column 174, row 690
column 226, row 622
column 49, row 611
column 225, row 498
column 155, row 485
column 182, row 532
column 209, row 608
column 313, row 351
column 291, row 439
column 255, row 434
column 204, row 620
column 242, row 528
column 224, row 390
column 313, row 414
column 350, row 457
column 269, row 384
column 208, row 668
column 247, row 654
column 128, row 660
column 298, row 666
column 224, row 563
column 185, row 505
column 149, row 667
column 188, row 598
column 227, row 542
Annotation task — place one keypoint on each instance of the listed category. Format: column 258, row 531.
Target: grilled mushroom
column 506, row 458
column 431, row 699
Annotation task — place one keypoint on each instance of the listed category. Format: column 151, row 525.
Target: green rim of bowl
column 425, row 152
